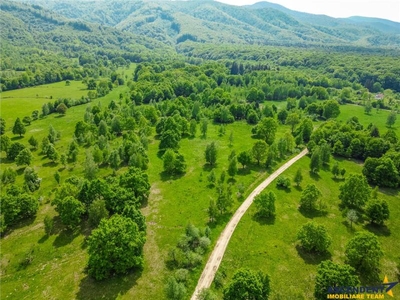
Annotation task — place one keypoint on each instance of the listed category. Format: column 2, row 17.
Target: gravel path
column 215, row 258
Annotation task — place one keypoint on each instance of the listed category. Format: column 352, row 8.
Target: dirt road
column 215, row 258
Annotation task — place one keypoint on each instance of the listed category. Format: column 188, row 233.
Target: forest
column 122, row 160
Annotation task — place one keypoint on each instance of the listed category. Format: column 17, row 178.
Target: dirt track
column 207, row 276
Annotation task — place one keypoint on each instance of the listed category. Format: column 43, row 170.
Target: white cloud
column 385, row 9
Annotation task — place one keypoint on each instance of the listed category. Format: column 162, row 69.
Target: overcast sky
column 385, row 9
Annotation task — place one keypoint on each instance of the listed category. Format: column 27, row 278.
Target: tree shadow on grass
column 389, row 191
column 164, row 176
column 244, row 171
column 231, row 180
column 312, row 258
column 379, row 230
column 110, row 288
column 65, row 237
column 220, row 219
column 370, row 278
column 298, row 188
column 350, row 227
column 18, row 225
column 263, row 220
column 20, row 171
column 337, row 179
column 207, row 167
column 285, row 189
column 314, row 176
column 311, row 214
column 16, row 138
column 326, row 167
column 50, row 164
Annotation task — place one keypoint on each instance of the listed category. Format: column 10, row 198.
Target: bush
column 283, row 182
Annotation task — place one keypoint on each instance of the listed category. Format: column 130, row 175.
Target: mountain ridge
column 263, row 23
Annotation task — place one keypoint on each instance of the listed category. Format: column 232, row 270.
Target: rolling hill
column 264, row 23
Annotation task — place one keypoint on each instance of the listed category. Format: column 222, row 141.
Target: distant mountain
column 263, row 23
column 25, row 27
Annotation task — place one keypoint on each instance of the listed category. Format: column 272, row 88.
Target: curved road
column 215, row 258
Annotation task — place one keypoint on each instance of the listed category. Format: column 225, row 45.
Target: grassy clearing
column 270, row 246
column 376, row 118
column 21, row 103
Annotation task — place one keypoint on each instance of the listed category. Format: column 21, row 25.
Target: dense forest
column 129, row 139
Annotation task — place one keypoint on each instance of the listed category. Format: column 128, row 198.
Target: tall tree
column 2, row 126
column 232, row 168
column 335, row 169
column 259, row 151
column 330, row 274
column 18, row 127
column 331, row 109
column 391, row 119
column 90, row 166
column 244, row 158
column 352, row 217
column 70, row 210
column 354, row 192
column 309, row 197
column 293, row 119
column 314, row 238
column 266, row 129
column 377, row 211
column 116, row 246
column 265, row 204
column 248, row 284
column 204, row 127
column 211, row 153
column 363, row 252
column 315, row 163
column 298, row 177
column 24, row 157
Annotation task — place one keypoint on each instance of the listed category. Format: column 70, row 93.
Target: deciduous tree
column 18, row 127
column 116, row 246
column 298, row 177
column 259, row 151
column 265, row 204
column 354, row 192
column 248, row 284
column 70, row 210
column 244, row 158
column 363, row 252
column 211, row 154
column 309, row 197
column 330, row 274
column 314, row 238
column 24, row 157
column 377, row 211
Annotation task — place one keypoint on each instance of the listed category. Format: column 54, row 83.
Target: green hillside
column 210, row 21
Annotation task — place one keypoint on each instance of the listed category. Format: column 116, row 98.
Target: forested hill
column 174, row 22
column 30, row 32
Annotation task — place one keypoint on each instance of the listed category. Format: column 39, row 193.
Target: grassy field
column 21, row 103
column 378, row 118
